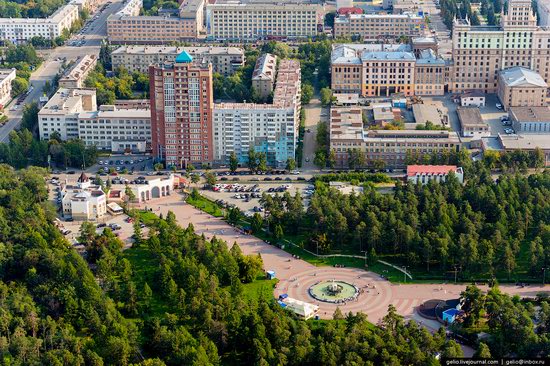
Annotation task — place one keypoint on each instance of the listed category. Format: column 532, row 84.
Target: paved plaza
column 296, row 276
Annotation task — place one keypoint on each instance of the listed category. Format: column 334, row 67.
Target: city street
column 314, row 114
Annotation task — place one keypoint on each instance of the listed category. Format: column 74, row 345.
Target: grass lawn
column 261, row 288
column 147, row 217
column 145, row 266
column 205, row 205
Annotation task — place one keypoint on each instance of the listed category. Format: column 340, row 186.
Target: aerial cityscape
column 274, row 182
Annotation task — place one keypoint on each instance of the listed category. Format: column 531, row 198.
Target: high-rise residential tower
column 181, row 111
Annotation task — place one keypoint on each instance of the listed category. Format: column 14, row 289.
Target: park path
column 297, row 275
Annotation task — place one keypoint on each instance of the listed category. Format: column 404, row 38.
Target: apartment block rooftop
column 67, row 101
column 265, row 67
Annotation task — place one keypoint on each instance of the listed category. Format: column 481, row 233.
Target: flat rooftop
column 153, row 50
column 470, row 117
column 66, row 100
column 80, row 67
column 432, row 112
column 530, row 114
column 346, row 124
column 525, row 142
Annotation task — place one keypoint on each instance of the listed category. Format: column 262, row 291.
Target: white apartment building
column 83, row 201
column 61, row 112
column 73, row 113
column 224, row 60
column 268, row 128
column 75, row 77
column 22, row 29
column 115, row 129
column 6, row 77
column 247, row 20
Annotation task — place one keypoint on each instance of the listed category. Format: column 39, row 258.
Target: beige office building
column 373, row 70
column 390, row 146
column 429, row 74
column 224, row 60
column 124, row 27
column 481, row 52
column 520, row 87
column 263, row 77
column 247, row 20
column 75, row 77
column 378, row 26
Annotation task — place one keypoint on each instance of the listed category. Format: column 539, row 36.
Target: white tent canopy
column 301, row 308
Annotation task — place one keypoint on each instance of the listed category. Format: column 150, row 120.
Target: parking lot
column 247, row 196
column 121, row 162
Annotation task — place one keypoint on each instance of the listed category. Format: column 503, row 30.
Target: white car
column 508, row 131
column 498, row 105
column 504, row 118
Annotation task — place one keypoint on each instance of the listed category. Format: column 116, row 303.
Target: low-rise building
column 392, row 147
column 224, row 60
column 263, row 77
column 472, row 99
column 18, row 30
column 530, row 120
column 268, row 128
column 471, row 122
column 73, row 113
column 126, row 26
column 272, row 19
column 118, row 130
column 6, row 77
column 425, row 173
column 527, row 142
column 75, row 77
column 430, row 112
column 83, row 200
column 373, row 27
column 521, row 87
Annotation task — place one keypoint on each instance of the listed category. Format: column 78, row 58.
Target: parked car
column 499, row 106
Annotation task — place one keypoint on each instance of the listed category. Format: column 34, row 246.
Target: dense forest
column 483, row 229
column 518, row 328
column 174, row 298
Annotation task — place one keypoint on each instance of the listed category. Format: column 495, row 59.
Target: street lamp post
column 544, row 275
column 405, row 273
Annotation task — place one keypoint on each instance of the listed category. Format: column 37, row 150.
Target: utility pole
column 544, row 275
column 405, row 273
column 456, row 270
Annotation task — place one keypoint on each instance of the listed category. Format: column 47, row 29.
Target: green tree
column 210, row 178
column 482, row 351
column 233, row 162
column 19, row 86
column 158, row 167
column 326, row 96
column 290, row 164
column 307, row 93
column 320, row 159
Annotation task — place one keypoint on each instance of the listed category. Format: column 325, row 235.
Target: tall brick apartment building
column 181, row 111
